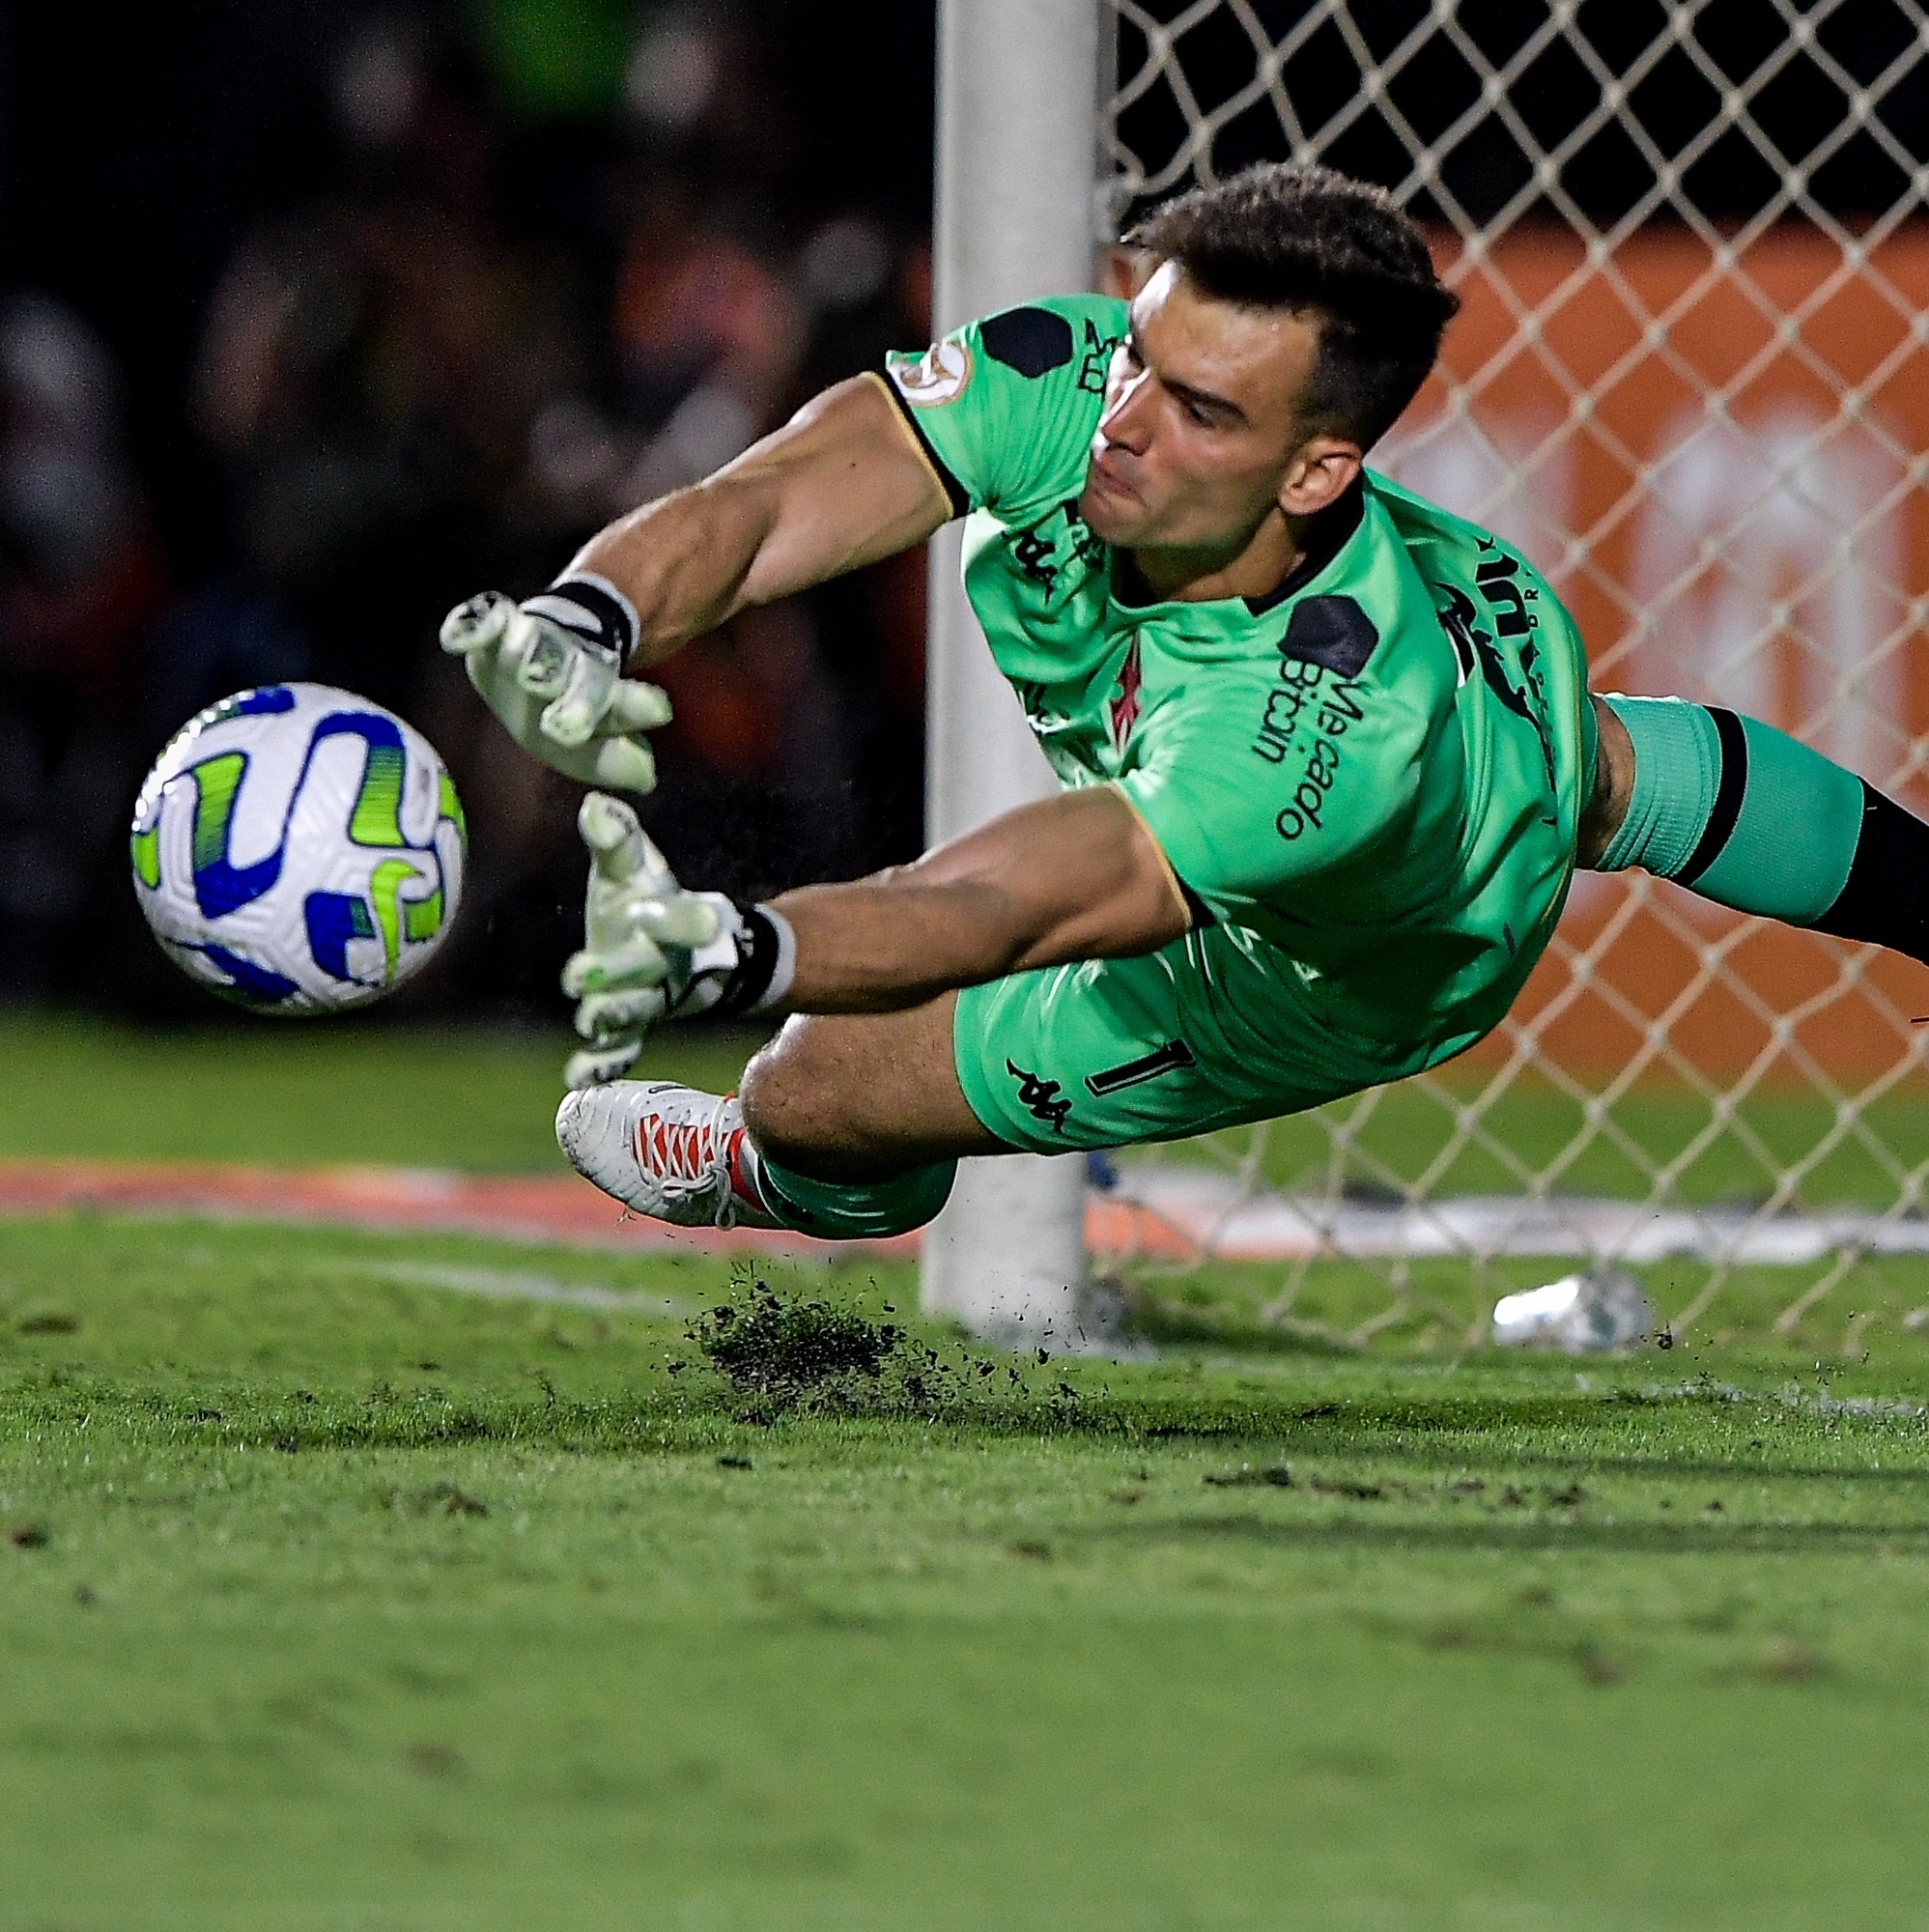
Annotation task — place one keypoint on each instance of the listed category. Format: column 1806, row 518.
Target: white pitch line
column 514, row 1284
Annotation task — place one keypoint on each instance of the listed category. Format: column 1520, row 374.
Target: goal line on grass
column 1170, row 1214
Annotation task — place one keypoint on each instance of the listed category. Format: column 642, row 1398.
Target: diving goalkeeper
column 1328, row 755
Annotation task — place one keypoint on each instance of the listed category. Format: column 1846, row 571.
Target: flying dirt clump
column 777, row 1353
column 780, row 1356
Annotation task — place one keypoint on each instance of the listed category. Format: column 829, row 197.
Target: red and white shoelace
column 685, row 1157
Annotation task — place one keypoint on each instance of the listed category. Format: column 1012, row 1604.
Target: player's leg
column 862, row 1096
column 851, row 1125
column 848, row 1127
column 856, row 1121
column 1747, row 816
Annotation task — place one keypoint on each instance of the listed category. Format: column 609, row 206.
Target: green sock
column 854, row 1210
column 1737, row 810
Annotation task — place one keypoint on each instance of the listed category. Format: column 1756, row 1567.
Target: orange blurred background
column 1710, row 450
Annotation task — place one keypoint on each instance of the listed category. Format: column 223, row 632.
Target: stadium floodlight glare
column 1017, row 142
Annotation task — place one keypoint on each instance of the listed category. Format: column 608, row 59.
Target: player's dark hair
column 1325, row 246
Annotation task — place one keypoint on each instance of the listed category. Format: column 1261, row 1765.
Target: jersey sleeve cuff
column 955, row 491
column 1197, row 912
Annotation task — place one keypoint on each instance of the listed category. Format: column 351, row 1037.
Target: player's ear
column 1322, row 471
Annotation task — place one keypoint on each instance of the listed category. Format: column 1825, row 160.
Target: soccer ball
column 298, row 849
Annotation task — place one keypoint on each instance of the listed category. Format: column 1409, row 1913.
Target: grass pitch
column 340, row 1590
column 301, row 1093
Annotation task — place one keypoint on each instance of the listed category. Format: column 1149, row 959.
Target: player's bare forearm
column 841, row 485
column 1072, row 877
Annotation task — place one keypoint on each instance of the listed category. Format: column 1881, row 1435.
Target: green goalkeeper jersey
column 1377, row 771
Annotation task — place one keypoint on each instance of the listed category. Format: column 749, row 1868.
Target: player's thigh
column 858, row 1095
column 1097, row 1055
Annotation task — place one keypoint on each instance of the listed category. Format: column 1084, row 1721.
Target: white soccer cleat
column 669, row 1152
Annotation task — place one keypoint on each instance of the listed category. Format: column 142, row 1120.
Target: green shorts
column 1202, row 1034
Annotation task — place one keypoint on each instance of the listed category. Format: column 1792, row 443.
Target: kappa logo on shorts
column 1043, row 1099
column 1170, row 1058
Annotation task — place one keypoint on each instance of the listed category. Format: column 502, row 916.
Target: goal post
column 1017, row 156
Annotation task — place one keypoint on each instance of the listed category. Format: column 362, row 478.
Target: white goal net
column 1690, row 378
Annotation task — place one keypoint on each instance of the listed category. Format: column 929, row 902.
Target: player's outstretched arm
column 842, row 484
column 1073, row 877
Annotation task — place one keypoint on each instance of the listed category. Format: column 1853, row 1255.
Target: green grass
column 304, row 1093
column 338, row 1592
column 334, row 1601
column 361, row 1089
column 1875, row 1315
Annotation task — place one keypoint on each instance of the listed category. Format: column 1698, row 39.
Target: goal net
column 1691, row 379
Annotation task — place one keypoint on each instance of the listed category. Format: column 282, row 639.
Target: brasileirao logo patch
column 938, row 376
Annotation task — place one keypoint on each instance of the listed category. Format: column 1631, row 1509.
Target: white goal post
column 1016, row 152
column 1691, row 379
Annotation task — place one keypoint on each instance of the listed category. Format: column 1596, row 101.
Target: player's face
column 1201, row 440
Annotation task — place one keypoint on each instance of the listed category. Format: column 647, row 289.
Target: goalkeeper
column 1328, row 755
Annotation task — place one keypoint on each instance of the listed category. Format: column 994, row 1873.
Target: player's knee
column 785, row 1092
column 860, row 1096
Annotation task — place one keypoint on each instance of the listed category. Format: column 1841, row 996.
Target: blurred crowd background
column 316, row 316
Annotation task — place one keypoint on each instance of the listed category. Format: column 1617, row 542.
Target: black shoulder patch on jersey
column 1330, row 631
column 1028, row 340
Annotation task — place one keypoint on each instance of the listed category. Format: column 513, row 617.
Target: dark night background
column 316, row 316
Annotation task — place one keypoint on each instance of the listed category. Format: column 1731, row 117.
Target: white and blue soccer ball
column 298, row 849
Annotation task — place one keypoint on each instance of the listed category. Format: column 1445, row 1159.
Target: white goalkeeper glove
column 552, row 671
column 653, row 952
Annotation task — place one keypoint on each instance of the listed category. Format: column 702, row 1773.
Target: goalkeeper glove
column 653, row 952
column 552, row 671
